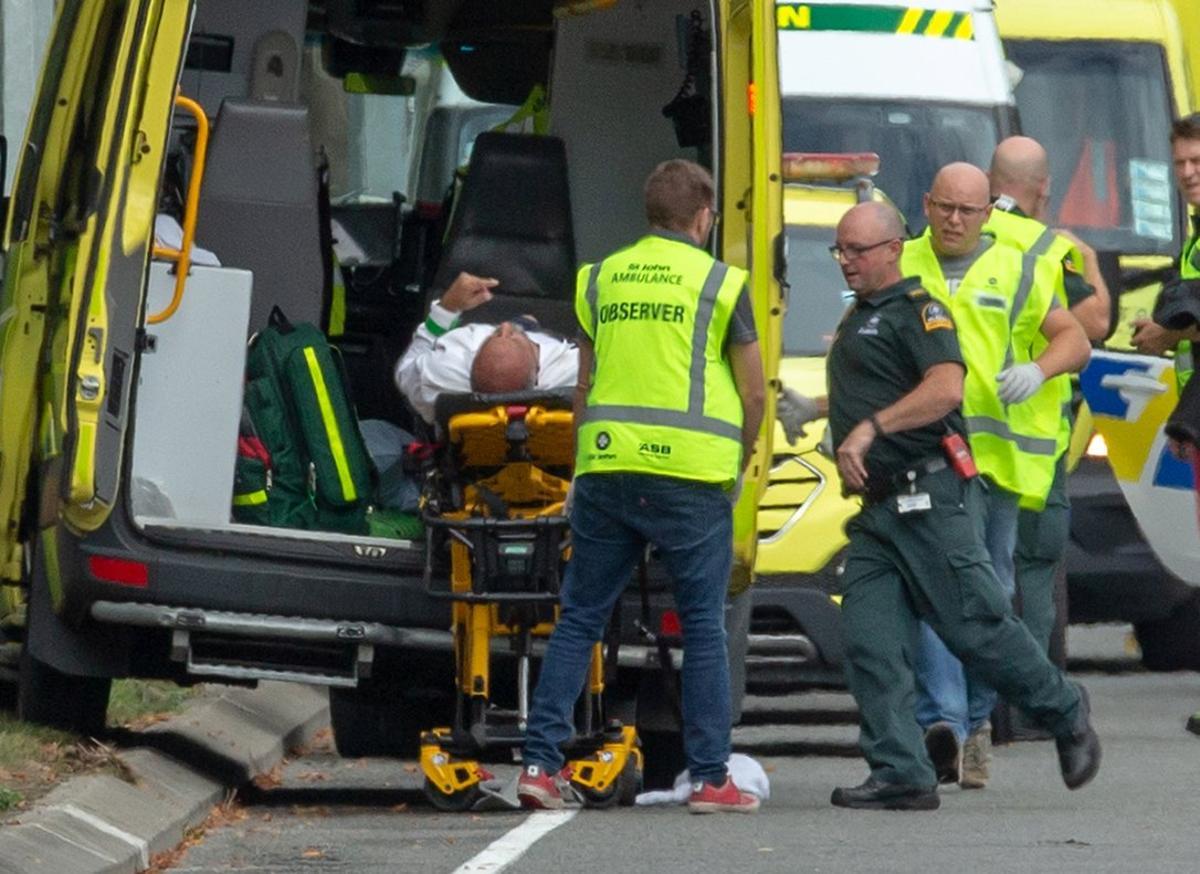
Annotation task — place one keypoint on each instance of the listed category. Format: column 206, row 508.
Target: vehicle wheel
column 455, row 802
column 62, row 701
column 385, row 719
column 1173, row 643
column 663, row 758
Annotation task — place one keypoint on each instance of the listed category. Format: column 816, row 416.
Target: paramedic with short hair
column 667, row 410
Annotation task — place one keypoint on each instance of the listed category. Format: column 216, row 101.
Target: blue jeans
column 614, row 516
column 945, row 693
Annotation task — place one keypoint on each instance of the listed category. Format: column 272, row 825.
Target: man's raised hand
column 467, row 292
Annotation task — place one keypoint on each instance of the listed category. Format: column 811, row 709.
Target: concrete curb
column 99, row 824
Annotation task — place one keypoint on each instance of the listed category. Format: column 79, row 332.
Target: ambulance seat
column 512, row 221
column 259, row 206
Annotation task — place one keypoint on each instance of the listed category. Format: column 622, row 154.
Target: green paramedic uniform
column 1042, row 536
column 927, row 564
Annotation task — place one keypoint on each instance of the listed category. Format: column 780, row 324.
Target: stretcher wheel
column 455, row 802
column 598, row 799
column 629, row 784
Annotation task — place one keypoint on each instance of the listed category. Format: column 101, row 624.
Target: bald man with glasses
column 1014, row 336
column 896, row 382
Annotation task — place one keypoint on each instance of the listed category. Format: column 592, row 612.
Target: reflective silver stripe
column 592, row 295
column 693, row 419
column 1043, row 243
column 997, row 428
column 704, row 313
column 1024, row 287
column 1185, row 360
column 669, row 418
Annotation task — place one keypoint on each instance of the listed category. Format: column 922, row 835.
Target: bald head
column 1021, row 170
column 957, row 205
column 869, row 238
column 961, row 180
column 506, row 362
column 881, row 219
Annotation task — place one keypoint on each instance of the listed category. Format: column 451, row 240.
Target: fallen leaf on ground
column 270, row 779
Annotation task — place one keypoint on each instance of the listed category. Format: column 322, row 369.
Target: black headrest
column 512, row 221
column 449, row 405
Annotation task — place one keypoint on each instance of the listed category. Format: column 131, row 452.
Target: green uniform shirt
column 880, row 353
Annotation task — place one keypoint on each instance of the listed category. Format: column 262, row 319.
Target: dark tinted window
column 818, row 294
column 1103, row 112
column 912, row 140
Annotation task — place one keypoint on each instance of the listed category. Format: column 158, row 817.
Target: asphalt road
column 327, row 814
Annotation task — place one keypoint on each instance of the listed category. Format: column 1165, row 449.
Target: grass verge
column 33, row 758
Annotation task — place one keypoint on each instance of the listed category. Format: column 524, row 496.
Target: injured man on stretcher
column 444, row 357
column 517, row 355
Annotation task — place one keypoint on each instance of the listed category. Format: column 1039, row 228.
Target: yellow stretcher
column 494, row 502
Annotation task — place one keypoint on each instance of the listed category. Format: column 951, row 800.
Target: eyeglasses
column 945, row 210
column 716, row 216
column 853, row 253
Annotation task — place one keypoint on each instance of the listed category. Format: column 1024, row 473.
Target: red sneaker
column 726, row 798
column 537, row 789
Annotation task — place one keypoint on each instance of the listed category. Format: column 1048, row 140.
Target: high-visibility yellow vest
column 662, row 398
column 998, row 309
column 1184, row 355
column 1030, row 235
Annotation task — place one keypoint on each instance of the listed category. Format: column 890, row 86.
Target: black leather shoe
column 1079, row 751
column 877, row 795
column 941, row 743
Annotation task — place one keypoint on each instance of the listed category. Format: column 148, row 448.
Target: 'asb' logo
column 655, row 448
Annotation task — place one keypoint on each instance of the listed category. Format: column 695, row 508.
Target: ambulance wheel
column 1172, row 643
column 454, row 802
column 366, row 723
column 63, row 701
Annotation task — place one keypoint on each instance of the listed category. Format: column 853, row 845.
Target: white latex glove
column 1019, row 383
column 794, row 411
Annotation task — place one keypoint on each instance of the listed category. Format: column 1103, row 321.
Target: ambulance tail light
column 828, row 166
column 121, row 571
column 669, row 624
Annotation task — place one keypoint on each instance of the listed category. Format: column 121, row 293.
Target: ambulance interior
column 325, row 166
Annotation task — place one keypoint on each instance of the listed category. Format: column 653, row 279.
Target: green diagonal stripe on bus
column 862, row 19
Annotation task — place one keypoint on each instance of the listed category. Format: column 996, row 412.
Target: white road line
column 512, row 845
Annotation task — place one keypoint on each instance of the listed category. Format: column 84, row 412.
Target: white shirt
column 434, row 365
